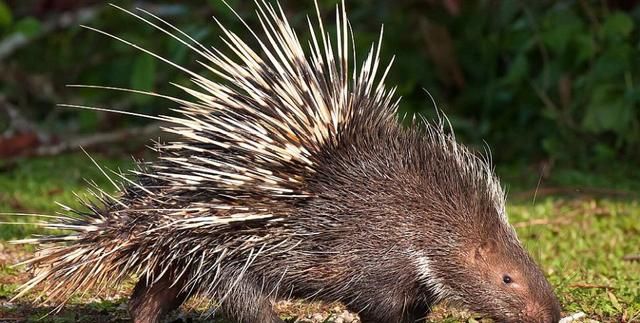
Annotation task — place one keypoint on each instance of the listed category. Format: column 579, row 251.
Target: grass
column 34, row 185
column 582, row 243
column 581, row 240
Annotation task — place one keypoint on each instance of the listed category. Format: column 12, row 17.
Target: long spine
column 249, row 143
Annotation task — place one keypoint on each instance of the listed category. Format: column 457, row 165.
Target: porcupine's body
column 294, row 179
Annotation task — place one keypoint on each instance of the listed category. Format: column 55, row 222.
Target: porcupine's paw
column 149, row 302
column 391, row 314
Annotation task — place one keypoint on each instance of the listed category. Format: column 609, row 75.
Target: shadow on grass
column 113, row 311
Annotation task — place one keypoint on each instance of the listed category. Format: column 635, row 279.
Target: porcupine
column 292, row 178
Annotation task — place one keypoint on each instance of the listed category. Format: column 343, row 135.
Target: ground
column 587, row 241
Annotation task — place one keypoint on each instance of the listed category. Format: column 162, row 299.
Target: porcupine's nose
column 542, row 313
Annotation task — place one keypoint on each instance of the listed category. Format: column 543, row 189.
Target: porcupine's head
column 465, row 250
column 419, row 189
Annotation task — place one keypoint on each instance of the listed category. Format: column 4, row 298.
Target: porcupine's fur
column 294, row 179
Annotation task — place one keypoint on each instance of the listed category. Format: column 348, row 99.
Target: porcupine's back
column 249, row 145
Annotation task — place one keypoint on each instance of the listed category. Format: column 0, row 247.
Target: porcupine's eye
column 507, row 279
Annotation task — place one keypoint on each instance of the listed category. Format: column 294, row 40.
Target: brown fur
column 380, row 201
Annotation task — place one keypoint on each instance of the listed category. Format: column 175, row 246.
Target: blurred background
column 552, row 87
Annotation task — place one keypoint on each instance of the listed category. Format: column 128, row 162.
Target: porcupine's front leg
column 149, row 303
column 245, row 302
column 392, row 311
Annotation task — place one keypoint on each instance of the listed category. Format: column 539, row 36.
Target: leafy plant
column 544, row 80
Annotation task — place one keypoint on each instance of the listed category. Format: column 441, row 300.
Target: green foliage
column 5, row 15
column 557, row 79
column 143, row 76
column 8, row 290
column 545, row 80
column 28, row 26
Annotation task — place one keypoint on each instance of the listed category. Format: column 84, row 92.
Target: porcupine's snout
column 548, row 312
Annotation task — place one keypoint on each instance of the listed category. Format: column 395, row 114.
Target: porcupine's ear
column 484, row 250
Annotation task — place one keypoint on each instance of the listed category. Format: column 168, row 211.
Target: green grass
column 34, row 185
column 582, row 246
column 581, row 240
